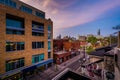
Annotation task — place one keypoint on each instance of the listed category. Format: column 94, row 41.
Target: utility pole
column 110, row 39
column 119, row 39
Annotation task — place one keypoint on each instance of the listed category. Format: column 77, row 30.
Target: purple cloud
column 64, row 18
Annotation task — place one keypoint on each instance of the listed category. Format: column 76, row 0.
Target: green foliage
column 89, row 49
column 92, row 40
column 81, row 47
column 117, row 27
column 114, row 39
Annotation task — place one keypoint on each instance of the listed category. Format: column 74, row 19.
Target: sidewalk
column 70, row 61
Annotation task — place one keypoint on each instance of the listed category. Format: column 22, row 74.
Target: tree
column 92, row 40
column 89, row 49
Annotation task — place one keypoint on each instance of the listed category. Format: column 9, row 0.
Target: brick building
column 67, row 46
column 26, row 39
column 65, row 49
column 74, row 45
column 58, row 44
column 61, row 56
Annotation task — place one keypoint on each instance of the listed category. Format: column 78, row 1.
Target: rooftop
column 93, row 60
column 60, row 52
column 17, row 4
column 70, row 75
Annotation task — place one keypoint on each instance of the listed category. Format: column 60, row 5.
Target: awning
column 26, row 68
column 44, row 62
column 29, row 68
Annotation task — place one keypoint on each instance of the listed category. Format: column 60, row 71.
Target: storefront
column 28, row 71
column 12, row 77
column 61, row 57
column 25, row 72
column 73, row 54
column 43, row 65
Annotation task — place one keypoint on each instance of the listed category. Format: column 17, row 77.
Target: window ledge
column 14, row 51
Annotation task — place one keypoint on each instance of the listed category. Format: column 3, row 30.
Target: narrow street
column 48, row 74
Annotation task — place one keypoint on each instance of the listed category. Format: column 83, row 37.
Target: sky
column 80, row 17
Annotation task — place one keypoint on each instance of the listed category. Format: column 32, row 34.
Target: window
column 49, row 32
column 49, row 35
column 49, row 28
column 14, row 46
column 14, row 25
column 37, row 45
column 37, row 29
column 42, row 44
column 49, row 54
column 34, row 45
column 37, row 58
column 20, row 45
column 8, row 3
column 49, row 45
column 26, row 9
column 41, row 15
column 2, row 1
column 14, row 64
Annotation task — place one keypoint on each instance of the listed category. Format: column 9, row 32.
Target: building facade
column 58, row 44
column 61, row 56
column 82, row 38
column 26, row 39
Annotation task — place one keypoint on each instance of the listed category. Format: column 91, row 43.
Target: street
column 51, row 72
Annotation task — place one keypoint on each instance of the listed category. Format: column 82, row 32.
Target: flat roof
column 28, row 5
column 60, row 52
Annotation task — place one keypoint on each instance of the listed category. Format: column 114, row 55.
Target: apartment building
column 26, row 40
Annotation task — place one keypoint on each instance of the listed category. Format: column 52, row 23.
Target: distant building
column 66, row 37
column 98, row 33
column 82, row 38
column 99, row 36
column 69, row 38
column 89, row 35
column 58, row 37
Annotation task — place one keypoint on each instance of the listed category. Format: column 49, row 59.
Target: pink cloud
column 65, row 18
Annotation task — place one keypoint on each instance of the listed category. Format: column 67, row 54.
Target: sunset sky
column 73, row 17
